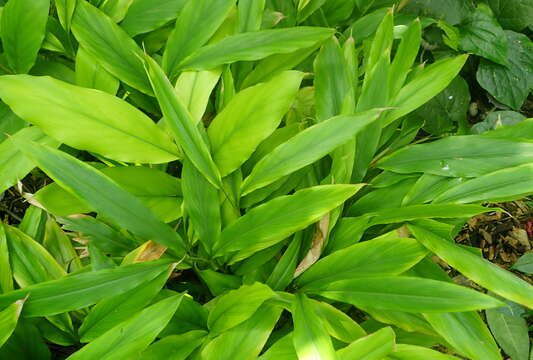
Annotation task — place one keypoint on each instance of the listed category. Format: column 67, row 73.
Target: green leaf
column 181, row 123
column 310, row 339
column 412, row 352
column 466, row 333
column 250, row 14
column 110, row 45
column 409, row 294
column 6, row 277
column 451, row 11
column 30, row 261
column 273, row 221
column 405, row 56
column 254, row 46
column 460, row 156
column 447, row 109
column 413, row 212
column 90, row 74
column 146, row 15
column 245, row 341
column 510, row 84
column 23, row 27
column 386, row 256
column 337, row 323
column 283, row 273
column 306, row 147
column 234, row 137
column 511, row 332
column 372, row 347
column 117, row 130
column 237, row 306
column 525, row 263
column 428, row 187
column 496, row 120
column 194, row 89
column 8, row 320
column 196, row 24
column 481, row 34
column 475, row 268
column 111, row 311
column 513, row 14
column 60, row 246
column 102, row 194
column 78, row 291
column 132, row 336
column 13, row 164
column 283, row 349
column 65, row 12
column 424, row 86
column 506, row 184
column 162, row 196
column 174, row 347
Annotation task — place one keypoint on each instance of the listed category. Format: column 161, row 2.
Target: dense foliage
column 266, row 179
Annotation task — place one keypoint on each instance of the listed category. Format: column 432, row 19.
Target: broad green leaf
column 201, row 204
column 191, row 316
column 452, row 11
column 512, row 14
column 219, row 283
column 347, row 232
column 372, row 347
column 251, row 116
column 250, row 14
column 413, row 212
column 147, row 15
column 510, row 331
column 159, row 191
column 405, row 56
column 254, row 46
column 333, row 87
column 510, row 84
column 306, row 147
column 525, row 263
column 446, row 110
column 307, row 7
column 407, row 294
column 424, row 86
column 412, row 352
column 60, row 246
column 26, row 343
column 6, row 277
column 90, row 74
column 182, row 124
column 466, row 333
column 282, row 274
column 460, row 156
column 174, row 347
column 387, row 256
column 78, row 291
column 117, row 130
column 111, row 311
column 15, row 166
column 98, row 233
column 30, row 262
column 8, row 320
column 237, row 306
column 196, row 23
column 273, row 221
column 283, row 349
column 337, row 323
column 428, row 187
column 132, row 336
column 10, row 123
column 110, row 45
column 505, row 184
column 194, row 89
column 102, row 194
column 480, row 34
column 496, row 120
column 310, row 339
column 23, row 28
column 116, row 10
column 245, row 341
column 65, row 12
column 475, row 268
